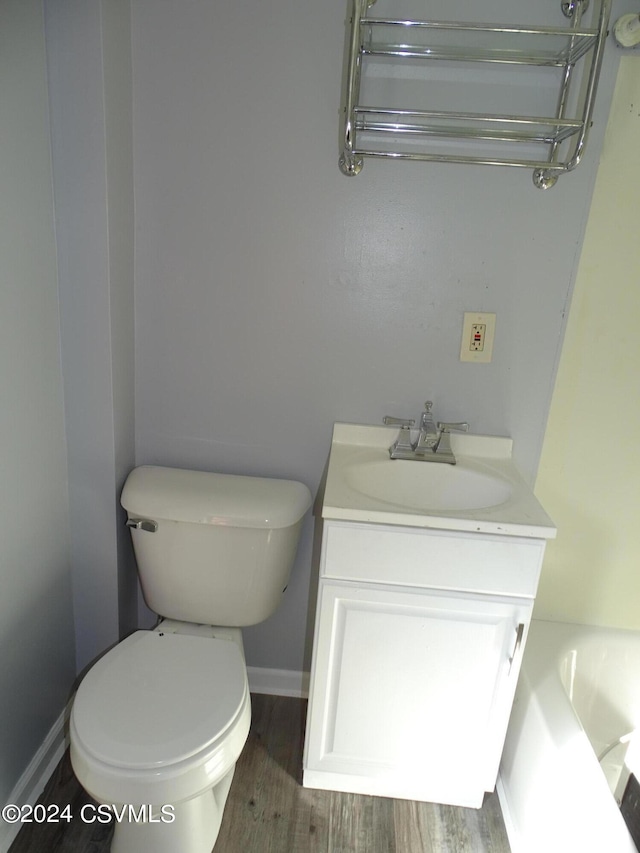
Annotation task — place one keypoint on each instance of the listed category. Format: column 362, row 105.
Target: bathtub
column 578, row 693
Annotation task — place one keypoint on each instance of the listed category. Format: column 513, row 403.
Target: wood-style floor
column 268, row 810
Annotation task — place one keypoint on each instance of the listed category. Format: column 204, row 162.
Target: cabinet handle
column 516, row 648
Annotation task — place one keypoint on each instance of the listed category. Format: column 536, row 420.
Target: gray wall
column 89, row 59
column 275, row 296
column 36, row 621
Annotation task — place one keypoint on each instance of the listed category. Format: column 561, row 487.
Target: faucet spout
column 429, row 433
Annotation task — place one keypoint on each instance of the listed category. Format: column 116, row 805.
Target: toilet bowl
column 158, row 723
column 157, row 726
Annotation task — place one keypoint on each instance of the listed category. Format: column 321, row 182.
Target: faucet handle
column 401, row 422
column 463, row 426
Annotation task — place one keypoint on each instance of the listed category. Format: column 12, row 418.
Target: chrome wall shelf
column 398, row 70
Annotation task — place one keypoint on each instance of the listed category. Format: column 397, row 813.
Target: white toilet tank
column 223, row 545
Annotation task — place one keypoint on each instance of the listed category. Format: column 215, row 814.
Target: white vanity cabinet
column 418, row 641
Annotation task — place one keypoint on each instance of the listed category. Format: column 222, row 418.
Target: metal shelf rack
column 390, row 59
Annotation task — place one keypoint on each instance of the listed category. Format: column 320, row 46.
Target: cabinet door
column 410, row 692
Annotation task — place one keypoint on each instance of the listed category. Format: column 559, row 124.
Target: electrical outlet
column 478, row 334
column 478, row 331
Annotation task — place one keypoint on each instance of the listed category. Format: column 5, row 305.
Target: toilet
column 158, row 723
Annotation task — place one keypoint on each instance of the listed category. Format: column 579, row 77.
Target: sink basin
column 483, row 493
column 426, row 486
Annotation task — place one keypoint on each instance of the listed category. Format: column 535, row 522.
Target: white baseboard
column 32, row 782
column 278, row 682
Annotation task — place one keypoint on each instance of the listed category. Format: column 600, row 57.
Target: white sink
column 426, row 486
column 482, row 493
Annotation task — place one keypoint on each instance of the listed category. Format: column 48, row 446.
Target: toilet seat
column 160, row 701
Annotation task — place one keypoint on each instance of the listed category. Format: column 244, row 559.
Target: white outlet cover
column 484, row 355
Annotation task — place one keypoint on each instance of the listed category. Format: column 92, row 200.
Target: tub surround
column 577, row 694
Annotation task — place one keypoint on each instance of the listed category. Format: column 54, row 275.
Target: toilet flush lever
column 143, row 524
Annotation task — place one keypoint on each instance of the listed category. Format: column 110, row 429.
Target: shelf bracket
column 570, row 6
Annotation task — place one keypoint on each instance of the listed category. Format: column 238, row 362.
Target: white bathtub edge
column 551, row 790
column 515, row 842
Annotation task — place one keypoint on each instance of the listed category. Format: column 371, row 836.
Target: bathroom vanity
column 428, row 576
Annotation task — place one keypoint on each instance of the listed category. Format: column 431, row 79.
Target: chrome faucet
column 433, row 443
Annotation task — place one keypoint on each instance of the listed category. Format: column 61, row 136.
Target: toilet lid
column 156, row 699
